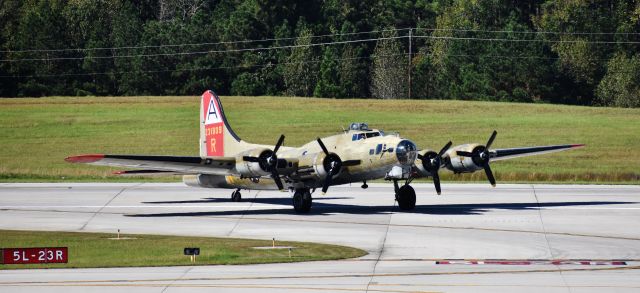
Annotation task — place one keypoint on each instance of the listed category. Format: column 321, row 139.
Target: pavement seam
column 106, row 204
column 176, row 280
column 384, row 241
column 544, row 230
column 546, row 239
column 243, row 213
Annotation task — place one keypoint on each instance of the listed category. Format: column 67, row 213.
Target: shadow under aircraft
column 323, row 208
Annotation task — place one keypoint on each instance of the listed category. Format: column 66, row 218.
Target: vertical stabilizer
column 217, row 139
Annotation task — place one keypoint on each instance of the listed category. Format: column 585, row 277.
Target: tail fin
column 217, row 139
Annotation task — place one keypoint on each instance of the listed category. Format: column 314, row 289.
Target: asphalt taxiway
column 552, row 238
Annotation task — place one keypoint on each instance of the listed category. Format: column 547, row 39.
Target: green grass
column 97, row 250
column 37, row 134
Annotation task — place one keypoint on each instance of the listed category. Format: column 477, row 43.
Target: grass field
column 99, row 250
column 37, row 134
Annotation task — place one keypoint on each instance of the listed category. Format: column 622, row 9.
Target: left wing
column 175, row 164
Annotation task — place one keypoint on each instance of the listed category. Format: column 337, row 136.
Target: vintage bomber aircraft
column 356, row 155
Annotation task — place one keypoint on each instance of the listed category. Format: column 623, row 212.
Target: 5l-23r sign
column 35, row 255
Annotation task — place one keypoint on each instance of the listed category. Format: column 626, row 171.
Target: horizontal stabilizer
column 177, row 164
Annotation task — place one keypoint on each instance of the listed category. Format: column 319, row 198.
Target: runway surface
column 526, row 238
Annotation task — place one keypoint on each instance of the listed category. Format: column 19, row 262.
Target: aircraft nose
column 406, row 151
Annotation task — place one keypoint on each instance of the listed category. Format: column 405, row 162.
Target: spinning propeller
column 269, row 162
column 431, row 161
column 481, row 156
column 332, row 165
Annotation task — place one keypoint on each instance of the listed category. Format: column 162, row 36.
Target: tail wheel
column 236, row 196
column 406, row 197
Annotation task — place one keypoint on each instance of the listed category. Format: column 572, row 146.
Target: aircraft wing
column 174, row 164
column 503, row 154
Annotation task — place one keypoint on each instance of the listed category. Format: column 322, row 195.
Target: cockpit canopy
column 359, row 126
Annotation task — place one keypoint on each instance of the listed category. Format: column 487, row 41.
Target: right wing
column 174, row 164
column 503, row 154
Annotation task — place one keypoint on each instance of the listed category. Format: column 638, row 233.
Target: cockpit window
column 359, row 136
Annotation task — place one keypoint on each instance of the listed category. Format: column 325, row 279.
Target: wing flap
column 503, row 154
column 177, row 164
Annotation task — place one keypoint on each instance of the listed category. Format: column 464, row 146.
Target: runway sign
column 192, row 251
column 35, row 255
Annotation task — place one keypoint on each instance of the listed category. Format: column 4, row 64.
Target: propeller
column 269, row 162
column 332, row 164
column 431, row 161
column 481, row 157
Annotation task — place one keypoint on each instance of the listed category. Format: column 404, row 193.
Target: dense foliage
column 575, row 51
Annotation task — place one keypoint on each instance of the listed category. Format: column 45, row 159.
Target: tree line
column 584, row 52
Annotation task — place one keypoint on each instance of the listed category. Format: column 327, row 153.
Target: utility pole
column 409, row 70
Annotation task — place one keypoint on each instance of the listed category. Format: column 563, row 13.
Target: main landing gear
column 405, row 196
column 302, row 200
column 236, row 196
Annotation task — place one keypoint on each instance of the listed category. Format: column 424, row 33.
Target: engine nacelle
column 315, row 166
column 460, row 164
column 256, row 168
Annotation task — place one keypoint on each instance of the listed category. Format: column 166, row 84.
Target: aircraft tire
column 302, row 201
column 236, row 196
column 406, row 197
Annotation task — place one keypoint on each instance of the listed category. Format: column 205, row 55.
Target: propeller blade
column 492, row 179
column 493, row 136
column 444, row 149
column 280, row 141
column 327, row 183
column 276, row 178
column 436, row 182
column 351, row 163
column 324, row 149
column 464, row 154
column 251, row 159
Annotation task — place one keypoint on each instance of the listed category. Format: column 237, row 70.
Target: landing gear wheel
column 302, row 201
column 406, row 198
column 236, row 196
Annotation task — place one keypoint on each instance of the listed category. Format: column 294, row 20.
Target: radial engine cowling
column 322, row 164
column 460, row 164
column 253, row 163
column 423, row 164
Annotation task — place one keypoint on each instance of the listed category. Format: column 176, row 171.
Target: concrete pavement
column 471, row 238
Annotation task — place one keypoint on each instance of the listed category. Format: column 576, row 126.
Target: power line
column 528, row 32
column 198, row 68
column 313, row 36
column 524, row 40
column 291, row 63
column 201, row 52
column 193, row 44
column 314, row 45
